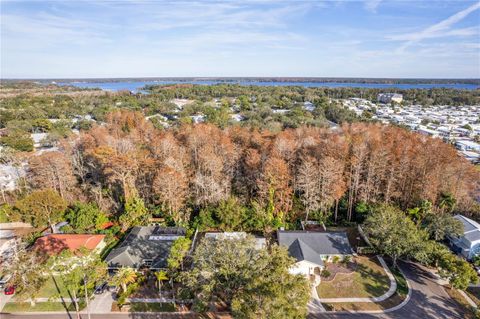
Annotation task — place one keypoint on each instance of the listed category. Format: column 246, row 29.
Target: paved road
column 428, row 300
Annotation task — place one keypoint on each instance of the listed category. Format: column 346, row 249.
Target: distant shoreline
column 234, row 80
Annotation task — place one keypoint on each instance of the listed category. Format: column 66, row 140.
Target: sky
column 140, row 38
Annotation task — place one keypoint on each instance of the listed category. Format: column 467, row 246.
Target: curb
column 468, row 299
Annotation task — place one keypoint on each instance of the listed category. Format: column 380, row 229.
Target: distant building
column 427, row 131
column 390, row 97
column 147, row 246
column 309, row 106
column 467, row 245
column 467, row 145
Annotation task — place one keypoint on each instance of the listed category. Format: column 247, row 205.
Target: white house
column 390, row 97
column 311, row 249
column 467, row 245
column 467, row 145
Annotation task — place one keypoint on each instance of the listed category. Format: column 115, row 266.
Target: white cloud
column 440, row 29
column 372, row 5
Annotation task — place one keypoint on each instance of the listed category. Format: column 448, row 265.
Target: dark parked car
column 112, row 288
column 10, row 290
column 100, row 289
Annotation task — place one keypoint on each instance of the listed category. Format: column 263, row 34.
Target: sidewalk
column 388, row 294
column 4, row 300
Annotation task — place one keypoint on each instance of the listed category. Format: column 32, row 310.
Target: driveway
column 428, row 300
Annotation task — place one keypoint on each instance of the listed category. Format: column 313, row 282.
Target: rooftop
column 56, row 243
column 309, row 246
column 149, row 245
column 471, row 228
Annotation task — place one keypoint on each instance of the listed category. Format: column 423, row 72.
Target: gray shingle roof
column 150, row 243
column 301, row 251
column 309, row 246
column 470, row 227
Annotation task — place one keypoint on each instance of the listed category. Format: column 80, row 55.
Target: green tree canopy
column 254, row 283
column 178, row 252
column 458, row 271
column 439, row 225
column 135, row 213
column 43, row 207
column 392, row 233
column 84, row 217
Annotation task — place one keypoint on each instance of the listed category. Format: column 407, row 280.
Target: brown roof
column 56, row 243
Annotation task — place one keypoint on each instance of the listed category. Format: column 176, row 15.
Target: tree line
column 248, row 178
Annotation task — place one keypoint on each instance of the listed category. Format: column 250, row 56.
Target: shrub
column 347, row 259
column 325, row 273
column 335, row 259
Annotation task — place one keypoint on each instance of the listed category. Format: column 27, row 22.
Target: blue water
column 135, row 86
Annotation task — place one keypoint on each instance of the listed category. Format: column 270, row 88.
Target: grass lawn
column 39, row 306
column 145, row 307
column 368, row 280
column 53, row 288
column 474, row 293
column 396, row 299
column 468, row 312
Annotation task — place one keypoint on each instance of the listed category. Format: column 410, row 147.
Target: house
column 260, row 242
column 54, row 244
column 145, row 246
column 467, row 145
column 390, row 97
column 467, row 245
column 311, row 249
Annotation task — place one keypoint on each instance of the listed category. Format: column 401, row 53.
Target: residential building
column 260, row 242
column 145, row 247
column 54, row 244
column 467, row 145
column 312, row 249
column 467, row 245
column 390, row 97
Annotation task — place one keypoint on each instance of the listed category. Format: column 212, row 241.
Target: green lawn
column 53, row 288
column 369, row 280
column 39, row 306
column 152, row 307
column 402, row 287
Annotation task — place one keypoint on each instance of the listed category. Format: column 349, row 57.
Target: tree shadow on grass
column 375, row 283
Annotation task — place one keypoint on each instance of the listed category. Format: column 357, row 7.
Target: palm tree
column 161, row 275
column 124, row 277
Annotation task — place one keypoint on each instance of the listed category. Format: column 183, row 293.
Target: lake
column 135, row 86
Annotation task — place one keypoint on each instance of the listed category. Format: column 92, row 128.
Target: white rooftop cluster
column 457, row 125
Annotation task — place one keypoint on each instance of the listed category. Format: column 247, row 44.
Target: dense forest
column 238, row 178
